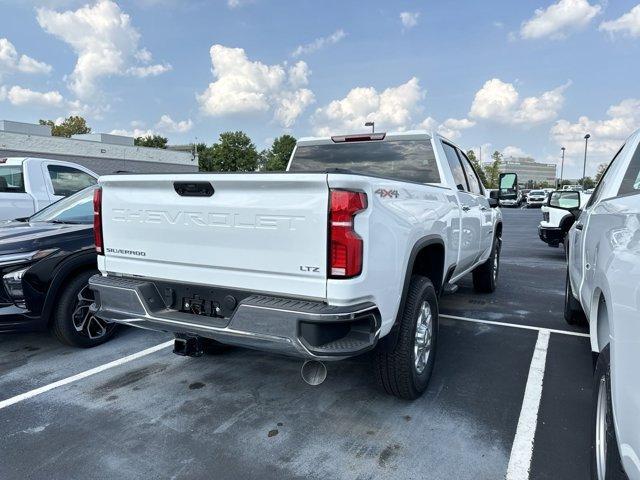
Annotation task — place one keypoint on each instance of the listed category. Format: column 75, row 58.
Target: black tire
column 573, row 313
column 602, row 425
column 397, row 370
column 213, row 347
column 71, row 323
column 485, row 276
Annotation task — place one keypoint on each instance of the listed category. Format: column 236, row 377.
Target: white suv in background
column 603, row 285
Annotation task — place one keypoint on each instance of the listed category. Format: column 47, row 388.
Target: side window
column 631, row 180
column 456, row 167
column 68, row 180
column 474, row 182
column 603, row 180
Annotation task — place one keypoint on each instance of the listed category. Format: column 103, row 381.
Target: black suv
column 45, row 263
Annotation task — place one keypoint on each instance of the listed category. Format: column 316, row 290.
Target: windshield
column 77, row 208
column 537, row 192
column 11, row 179
column 410, row 160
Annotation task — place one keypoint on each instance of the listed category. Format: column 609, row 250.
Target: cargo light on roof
column 358, row 137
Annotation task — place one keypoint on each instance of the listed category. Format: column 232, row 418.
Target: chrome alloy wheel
column 423, row 338
column 84, row 321
column 601, row 429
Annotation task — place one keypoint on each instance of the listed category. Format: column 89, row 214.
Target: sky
column 524, row 78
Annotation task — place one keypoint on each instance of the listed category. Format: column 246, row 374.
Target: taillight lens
column 97, row 220
column 345, row 246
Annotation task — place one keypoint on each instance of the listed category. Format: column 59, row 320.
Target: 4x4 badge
column 384, row 193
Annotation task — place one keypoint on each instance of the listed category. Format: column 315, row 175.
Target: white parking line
column 517, row 325
column 522, row 447
column 87, row 373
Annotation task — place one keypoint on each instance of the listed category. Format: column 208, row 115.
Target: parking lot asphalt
column 246, row 414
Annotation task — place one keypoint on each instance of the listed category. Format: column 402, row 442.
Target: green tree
column 492, row 171
column 601, row 168
column 587, row 183
column 235, row 152
column 277, row 157
column 476, row 166
column 72, row 125
column 153, row 141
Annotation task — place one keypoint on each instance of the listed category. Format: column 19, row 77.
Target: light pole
column 562, row 167
column 372, row 125
column 584, row 164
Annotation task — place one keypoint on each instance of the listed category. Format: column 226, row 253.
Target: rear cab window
column 11, row 179
column 404, row 160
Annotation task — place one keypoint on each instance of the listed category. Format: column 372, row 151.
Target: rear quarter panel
column 399, row 215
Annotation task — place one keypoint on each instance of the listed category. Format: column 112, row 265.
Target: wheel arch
column 600, row 329
column 70, row 268
column 427, row 258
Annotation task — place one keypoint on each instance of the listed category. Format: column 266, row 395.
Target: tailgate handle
column 193, row 189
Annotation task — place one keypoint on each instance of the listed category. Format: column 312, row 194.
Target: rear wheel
column 573, row 313
column 73, row 323
column 605, row 456
column 485, row 276
column 405, row 370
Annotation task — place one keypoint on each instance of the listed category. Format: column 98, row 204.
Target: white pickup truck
column 347, row 251
column 28, row 184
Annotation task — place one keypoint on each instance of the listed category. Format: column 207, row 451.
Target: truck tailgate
column 260, row 232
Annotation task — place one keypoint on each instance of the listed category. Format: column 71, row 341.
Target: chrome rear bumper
column 293, row 327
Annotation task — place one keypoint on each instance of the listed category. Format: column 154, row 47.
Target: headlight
column 13, row 284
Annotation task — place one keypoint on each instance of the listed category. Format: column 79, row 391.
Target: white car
column 603, row 285
column 559, row 214
column 27, row 184
column 536, row 198
column 346, row 252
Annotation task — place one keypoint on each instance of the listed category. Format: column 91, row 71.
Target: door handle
column 579, row 226
column 484, row 209
column 465, row 208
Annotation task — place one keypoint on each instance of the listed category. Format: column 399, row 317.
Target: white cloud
column 136, row 132
column 559, row 19
column 167, row 124
column 500, row 101
column 243, row 86
column 629, row 23
column 511, row 151
column 409, row 19
column 450, row 128
column 319, row 43
column 237, row 3
column 606, row 135
column 105, row 42
column 20, row 96
column 149, row 70
column 10, row 61
column 393, row 108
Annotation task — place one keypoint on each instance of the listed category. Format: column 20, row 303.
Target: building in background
column 531, row 174
column 100, row 152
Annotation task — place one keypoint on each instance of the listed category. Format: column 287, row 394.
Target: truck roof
column 406, row 135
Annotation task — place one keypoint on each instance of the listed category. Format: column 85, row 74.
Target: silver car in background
column 603, row 288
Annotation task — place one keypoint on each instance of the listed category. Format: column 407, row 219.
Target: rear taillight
column 345, row 246
column 97, row 220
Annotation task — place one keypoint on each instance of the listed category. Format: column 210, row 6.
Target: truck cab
column 29, row 184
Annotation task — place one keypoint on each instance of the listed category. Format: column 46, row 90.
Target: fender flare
column 388, row 342
column 83, row 261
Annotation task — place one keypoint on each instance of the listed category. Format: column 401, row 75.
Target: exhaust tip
column 313, row 372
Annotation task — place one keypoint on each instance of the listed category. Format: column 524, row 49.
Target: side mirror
column 565, row 200
column 508, row 186
column 493, row 202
